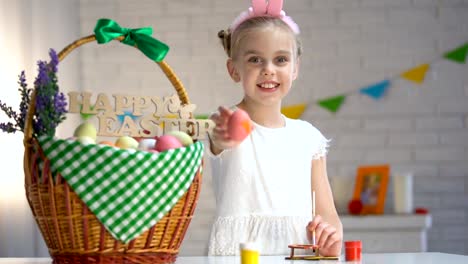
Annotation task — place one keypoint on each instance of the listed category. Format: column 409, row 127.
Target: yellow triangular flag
column 416, row 74
column 293, row 111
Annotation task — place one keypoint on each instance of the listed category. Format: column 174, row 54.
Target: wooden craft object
column 143, row 116
column 315, row 249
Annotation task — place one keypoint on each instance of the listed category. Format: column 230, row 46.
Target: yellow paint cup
column 249, row 253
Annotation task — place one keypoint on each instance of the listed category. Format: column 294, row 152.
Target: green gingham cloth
column 128, row 191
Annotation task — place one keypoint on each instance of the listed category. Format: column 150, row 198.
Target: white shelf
column 388, row 233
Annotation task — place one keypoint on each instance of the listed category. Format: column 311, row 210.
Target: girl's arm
column 327, row 224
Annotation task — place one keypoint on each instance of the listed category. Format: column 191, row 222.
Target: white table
column 386, row 258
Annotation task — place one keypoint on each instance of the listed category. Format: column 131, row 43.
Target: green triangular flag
column 333, row 103
column 458, row 54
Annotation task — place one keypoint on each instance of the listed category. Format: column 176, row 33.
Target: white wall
column 28, row 28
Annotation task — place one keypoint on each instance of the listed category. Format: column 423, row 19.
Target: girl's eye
column 282, row 59
column 254, row 59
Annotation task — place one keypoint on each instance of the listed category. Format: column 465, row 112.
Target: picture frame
column 371, row 188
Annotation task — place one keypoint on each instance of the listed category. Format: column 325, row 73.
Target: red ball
column 421, row 210
column 355, row 207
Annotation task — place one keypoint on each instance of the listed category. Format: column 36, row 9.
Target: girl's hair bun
column 225, row 37
column 221, row 34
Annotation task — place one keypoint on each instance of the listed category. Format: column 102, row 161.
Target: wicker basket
column 72, row 232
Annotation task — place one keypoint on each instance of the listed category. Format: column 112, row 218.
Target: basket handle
column 170, row 74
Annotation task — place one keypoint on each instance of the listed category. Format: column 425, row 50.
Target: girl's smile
column 268, row 86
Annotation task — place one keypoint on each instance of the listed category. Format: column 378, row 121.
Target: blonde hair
column 231, row 40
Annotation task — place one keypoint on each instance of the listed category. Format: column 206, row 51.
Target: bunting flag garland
column 417, row 74
column 332, row 104
column 293, row 111
column 458, row 54
column 377, row 90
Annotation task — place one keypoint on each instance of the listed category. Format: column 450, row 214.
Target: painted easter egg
column 239, row 125
column 147, row 144
column 126, row 142
column 183, row 137
column 166, row 142
column 86, row 130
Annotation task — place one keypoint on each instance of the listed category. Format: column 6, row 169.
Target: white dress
column 263, row 189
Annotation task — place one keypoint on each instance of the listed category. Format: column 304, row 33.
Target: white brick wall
column 348, row 44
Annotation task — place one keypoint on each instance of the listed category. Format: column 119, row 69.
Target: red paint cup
column 353, row 250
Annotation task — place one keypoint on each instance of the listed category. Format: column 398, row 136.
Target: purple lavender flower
column 25, row 100
column 38, row 127
column 8, row 110
column 18, row 117
column 8, row 127
column 50, row 103
column 54, row 60
column 22, row 80
column 41, row 102
column 60, row 103
column 42, row 78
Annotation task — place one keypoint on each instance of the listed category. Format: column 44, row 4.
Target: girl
column 263, row 184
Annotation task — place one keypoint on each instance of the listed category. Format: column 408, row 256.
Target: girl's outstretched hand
column 220, row 139
column 327, row 237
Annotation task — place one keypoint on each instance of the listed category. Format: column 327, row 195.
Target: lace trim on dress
column 229, row 231
column 322, row 149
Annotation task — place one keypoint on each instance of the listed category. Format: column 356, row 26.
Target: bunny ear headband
column 272, row 8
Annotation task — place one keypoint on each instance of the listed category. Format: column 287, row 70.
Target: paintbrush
column 313, row 216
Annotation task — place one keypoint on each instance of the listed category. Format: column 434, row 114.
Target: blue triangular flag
column 376, row 90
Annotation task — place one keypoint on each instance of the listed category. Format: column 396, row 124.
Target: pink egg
column 239, row 125
column 166, row 142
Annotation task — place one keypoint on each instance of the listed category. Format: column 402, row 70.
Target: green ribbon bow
column 107, row 30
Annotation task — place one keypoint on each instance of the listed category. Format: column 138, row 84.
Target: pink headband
column 272, row 8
